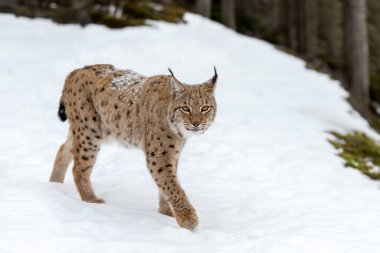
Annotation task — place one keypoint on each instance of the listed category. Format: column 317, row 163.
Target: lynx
column 156, row 114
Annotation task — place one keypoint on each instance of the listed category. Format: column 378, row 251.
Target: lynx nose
column 196, row 124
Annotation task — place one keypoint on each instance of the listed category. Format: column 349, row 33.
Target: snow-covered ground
column 263, row 178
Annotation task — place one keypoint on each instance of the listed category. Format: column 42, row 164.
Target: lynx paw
column 188, row 220
column 96, row 201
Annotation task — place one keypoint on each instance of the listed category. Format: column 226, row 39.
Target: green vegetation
column 99, row 17
column 359, row 152
column 64, row 15
column 145, row 10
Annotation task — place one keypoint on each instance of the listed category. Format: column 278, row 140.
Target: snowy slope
column 263, row 178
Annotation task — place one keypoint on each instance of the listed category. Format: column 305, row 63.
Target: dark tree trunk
column 228, row 13
column 275, row 20
column 311, row 27
column 356, row 51
column 279, row 22
column 291, row 24
column 301, row 27
column 203, row 7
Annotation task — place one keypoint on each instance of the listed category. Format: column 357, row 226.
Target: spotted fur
column 156, row 114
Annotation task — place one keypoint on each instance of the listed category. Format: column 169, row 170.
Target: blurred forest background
column 337, row 37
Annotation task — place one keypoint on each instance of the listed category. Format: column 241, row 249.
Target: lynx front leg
column 164, row 206
column 164, row 173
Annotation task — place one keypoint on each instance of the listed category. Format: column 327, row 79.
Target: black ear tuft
column 171, row 72
column 215, row 75
column 211, row 83
column 176, row 85
column 62, row 112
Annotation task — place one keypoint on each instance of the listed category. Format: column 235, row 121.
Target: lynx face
column 193, row 107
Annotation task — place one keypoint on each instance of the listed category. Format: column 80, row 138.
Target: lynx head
column 193, row 107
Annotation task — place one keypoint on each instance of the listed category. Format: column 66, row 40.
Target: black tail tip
column 61, row 112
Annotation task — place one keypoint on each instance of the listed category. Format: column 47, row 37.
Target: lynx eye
column 185, row 109
column 205, row 108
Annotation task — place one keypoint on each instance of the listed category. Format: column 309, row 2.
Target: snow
column 262, row 179
column 126, row 79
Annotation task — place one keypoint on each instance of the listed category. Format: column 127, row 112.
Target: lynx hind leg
column 62, row 161
column 86, row 145
column 85, row 152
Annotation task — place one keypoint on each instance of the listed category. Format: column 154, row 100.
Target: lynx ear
column 211, row 83
column 176, row 85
